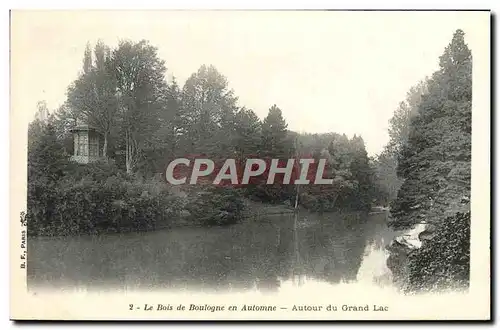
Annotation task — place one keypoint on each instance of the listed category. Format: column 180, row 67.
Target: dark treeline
column 147, row 121
column 425, row 171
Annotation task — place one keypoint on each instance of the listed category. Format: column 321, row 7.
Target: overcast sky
column 340, row 72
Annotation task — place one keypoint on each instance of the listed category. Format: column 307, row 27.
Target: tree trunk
column 128, row 163
column 132, row 155
column 105, row 147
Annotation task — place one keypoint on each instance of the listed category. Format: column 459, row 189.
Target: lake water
column 263, row 254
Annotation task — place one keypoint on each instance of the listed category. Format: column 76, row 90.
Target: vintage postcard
column 250, row 165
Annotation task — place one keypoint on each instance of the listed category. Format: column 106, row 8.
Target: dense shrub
column 318, row 202
column 98, row 172
column 88, row 206
column 98, row 197
column 216, row 206
column 444, row 260
column 270, row 193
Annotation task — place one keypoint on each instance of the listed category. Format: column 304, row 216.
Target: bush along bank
column 89, row 199
column 440, row 260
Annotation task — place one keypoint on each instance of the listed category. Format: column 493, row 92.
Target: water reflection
column 259, row 254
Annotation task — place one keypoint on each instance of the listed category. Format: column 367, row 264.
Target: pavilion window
column 94, row 147
column 83, row 144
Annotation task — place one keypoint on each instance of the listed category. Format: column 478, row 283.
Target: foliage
column 386, row 180
column 436, row 165
column 92, row 97
column 141, row 88
column 88, row 206
column 399, row 125
column 347, row 164
column 156, row 122
column 247, row 133
column 209, row 108
column 146, row 122
column 216, row 206
column 46, row 155
column 274, row 135
column 443, row 261
column 66, row 198
column 435, row 162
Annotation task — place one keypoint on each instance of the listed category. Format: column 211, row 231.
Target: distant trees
column 275, row 134
column 362, row 174
column 247, row 133
column 399, row 128
column 387, row 182
column 347, row 164
column 276, row 142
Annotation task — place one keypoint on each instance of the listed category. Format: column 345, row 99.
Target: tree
column 435, row 163
column 399, row 124
column 362, row 173
column 247, row 133
column 64, row 120
column 275, row 141
column 42, row 112
column 385, row 177
column 349, row 167
column 386, row 180
column 172, row 119
column 167, row 142
column 46, row 155
column 141, row 90
column 92, row 97
column 87, row 59
column 209, row 109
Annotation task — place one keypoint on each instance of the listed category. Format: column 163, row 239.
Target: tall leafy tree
column 362, row 173
column 64, row 120
column 87, row 59
column 167, row 142
column 46, row 155
column 141, row 90
column 275, row 142
column 173, row 119
column 385, row 165
column 435, row 162
column 247, row 132
column 399, row 125
column 209, row 109
column 386, row 180
column 92, row 97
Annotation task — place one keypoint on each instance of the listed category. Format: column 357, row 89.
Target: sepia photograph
column 250, row 165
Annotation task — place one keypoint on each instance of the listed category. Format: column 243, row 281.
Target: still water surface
column 261, row 254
